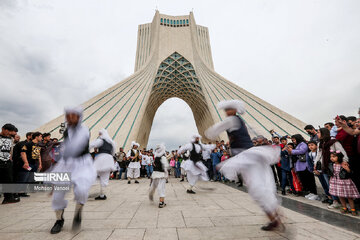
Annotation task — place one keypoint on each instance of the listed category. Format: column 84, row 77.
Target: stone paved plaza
column 221, row 213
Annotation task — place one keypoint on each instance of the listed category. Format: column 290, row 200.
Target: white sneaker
column 334, row 205
column 314, row 197
column 309, row 195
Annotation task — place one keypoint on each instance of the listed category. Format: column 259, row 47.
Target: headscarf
column 193, row 138
column 134, row 143
column 75, row 110
column 238, row 105
column 159, row 150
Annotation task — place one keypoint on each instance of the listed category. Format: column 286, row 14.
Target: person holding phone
column 30, row 154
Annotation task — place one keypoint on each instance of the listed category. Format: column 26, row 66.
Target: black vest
column 240, row 138
column 86, row 148
column 132, row 154
column 106, row 148
column 158, row 165
column 194, row 156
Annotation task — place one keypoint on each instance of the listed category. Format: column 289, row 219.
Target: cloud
column 303, row 54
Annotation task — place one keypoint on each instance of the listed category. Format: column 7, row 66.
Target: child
column 117, row 169
column 340, row 183
column 177, row 168
column 310, row 159
column 225, row 156
column 283, row 142
column 216, row 159
column 286, row 166
column 159, row 175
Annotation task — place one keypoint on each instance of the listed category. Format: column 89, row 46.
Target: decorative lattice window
column 176, row 78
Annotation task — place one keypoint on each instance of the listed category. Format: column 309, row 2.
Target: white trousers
column 158, row 183
column 80, row 196
column 192, row 179
column 133, row 172
column 104, row 180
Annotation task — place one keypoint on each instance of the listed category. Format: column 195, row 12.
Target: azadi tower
column 173, row 59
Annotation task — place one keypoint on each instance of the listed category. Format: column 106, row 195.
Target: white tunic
column 253, row 165
column 134, row 164
column 165, row 165
column 198, row 171
column 83, row 173
column 104, row 162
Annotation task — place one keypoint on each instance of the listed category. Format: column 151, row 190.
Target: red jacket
column 346, row 140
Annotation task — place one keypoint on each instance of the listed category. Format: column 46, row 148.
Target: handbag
column 343, row 174
column 296, row 181
column 318, row 165
column 301, row 158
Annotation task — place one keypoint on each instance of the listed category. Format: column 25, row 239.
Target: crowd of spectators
column 18, row 159
column 331, row 154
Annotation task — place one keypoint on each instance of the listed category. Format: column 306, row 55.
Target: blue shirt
column 215, row 157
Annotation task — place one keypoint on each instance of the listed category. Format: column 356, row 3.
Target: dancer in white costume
column 104, row 160
column 159, row 175
column 253, row 163
column 194, row 168
column 77, row 161
column 134, row 155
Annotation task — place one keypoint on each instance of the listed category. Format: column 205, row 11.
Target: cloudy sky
column 301, row 56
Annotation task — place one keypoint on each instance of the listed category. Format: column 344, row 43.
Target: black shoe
column 283, row 193
column 271, row 226
column 57, row 226
column 76, row 222
column 182, row 180
column 190, row 191
column 10, row 200
column 100, row 198
column 24, row 195
column 297, row 194
column 328, row 201
column 129, row 182
column 136, row 181
column 162, row 204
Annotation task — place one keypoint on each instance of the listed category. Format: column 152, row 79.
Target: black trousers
column 6, row 175
column 307, row 180
column 277, row 173
column 354, row 162
column 208, row 164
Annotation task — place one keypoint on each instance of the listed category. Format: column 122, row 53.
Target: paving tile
column 161, row 234
column 127, row 234
column 170, row 219
column 198, row 222
column 93, row 235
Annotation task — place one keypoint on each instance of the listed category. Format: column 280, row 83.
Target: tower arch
column 176, row 77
